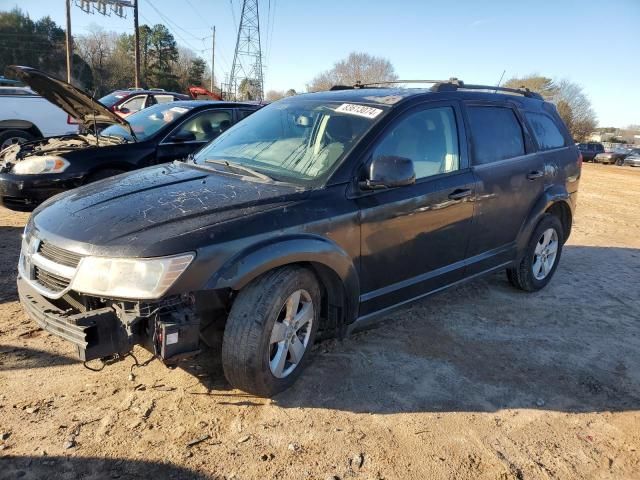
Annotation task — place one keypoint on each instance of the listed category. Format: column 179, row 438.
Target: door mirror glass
column 183, row 136
column 389, row 171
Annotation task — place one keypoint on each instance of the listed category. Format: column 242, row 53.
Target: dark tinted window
column 545, row 131
column 599, row 147
column 244, row 114
column 496, row 133
column 428, row 137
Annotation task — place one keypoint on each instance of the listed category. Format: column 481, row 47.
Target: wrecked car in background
column 34, row 171
column 318, row 213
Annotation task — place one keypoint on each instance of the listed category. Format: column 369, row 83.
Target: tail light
column 71, row 120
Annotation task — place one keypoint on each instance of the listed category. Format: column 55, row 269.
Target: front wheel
column 541, row 256
column 270, row 331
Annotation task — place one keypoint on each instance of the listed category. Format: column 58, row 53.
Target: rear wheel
column 541, row 256
column 14, row 137
column 270, row 331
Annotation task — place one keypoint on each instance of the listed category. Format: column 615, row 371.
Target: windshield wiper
column 238, row 166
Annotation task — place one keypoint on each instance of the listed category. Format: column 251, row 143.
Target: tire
column 529, row 275
column 12, row 137
column 619, row 162
column 102, row 174
column 249, row 347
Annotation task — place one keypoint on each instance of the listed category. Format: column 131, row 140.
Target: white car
column 25, row 115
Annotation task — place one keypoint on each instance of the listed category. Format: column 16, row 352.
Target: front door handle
column 460, row 194
column 535, row 174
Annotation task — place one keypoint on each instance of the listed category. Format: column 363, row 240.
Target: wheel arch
column 332, row 266
column 554, row 200
column 15, row 124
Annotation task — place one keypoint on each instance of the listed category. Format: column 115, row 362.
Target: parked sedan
column 633, row 160
column 128, row 102
column 615, row 157
column 34, row 171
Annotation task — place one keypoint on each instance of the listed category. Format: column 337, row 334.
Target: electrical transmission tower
column 246, row 80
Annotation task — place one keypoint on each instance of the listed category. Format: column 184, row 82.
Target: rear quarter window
column 545, row 131
column 496, row 133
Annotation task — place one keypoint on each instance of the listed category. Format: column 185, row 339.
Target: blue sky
column 593, row 43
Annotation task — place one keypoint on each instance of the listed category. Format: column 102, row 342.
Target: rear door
column 510, row 178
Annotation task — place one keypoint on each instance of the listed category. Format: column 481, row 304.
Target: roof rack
column 450, row 85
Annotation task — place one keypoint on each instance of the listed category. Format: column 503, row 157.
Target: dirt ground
column 481, row 381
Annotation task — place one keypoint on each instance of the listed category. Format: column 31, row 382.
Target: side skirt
column 371, row 319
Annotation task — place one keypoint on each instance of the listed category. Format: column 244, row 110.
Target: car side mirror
column 123, row 110
column 389, row 171
column 181, row 137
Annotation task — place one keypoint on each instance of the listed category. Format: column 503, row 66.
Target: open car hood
column 78, row 104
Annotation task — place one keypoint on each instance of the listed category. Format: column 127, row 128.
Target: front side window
column 207, row 125
column 134, row 105
column 545, row 131
column 294, row 140
column 429, row 138
column 496, row 133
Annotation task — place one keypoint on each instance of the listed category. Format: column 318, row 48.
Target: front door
column 414, row 238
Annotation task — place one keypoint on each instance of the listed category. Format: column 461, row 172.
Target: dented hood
column 143, row 212
column 78, row 104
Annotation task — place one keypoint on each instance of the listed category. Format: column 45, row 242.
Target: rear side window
column 545, row 131
column 497, row 134
column 244, row 114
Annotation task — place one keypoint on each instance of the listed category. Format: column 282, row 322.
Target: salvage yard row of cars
column 311, row 217
column 595, row 152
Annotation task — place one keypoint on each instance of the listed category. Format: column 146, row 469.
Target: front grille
column 58, row 255
column 49, row 280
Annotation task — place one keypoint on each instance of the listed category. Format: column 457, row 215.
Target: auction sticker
column 360, row 110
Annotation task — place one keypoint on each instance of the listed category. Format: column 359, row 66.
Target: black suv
column 590, row 150
column 314, row 216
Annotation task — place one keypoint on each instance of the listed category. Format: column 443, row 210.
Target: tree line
column 102, row 61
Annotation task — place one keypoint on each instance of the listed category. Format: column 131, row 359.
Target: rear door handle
column 460, row 194
column 535, row 174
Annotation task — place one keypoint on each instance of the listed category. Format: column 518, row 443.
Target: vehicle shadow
column 10, row 238
column 485, row 346
column 19, row 358
column 33, row 467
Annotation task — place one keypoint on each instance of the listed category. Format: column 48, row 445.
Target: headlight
column 146, row 278
column 35, row 165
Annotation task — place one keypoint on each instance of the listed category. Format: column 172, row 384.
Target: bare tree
column 572, row 103
column 273, row 95
column 96, row 48
column 357, row 67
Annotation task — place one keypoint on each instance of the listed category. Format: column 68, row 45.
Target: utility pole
column 213, row 58
column 136, row 36
column 69, row 41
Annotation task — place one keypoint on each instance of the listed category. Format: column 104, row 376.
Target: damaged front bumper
column 169, row 330
column 95, row 333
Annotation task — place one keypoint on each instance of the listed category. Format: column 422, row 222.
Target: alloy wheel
column 545, row 254
column 290, row 334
